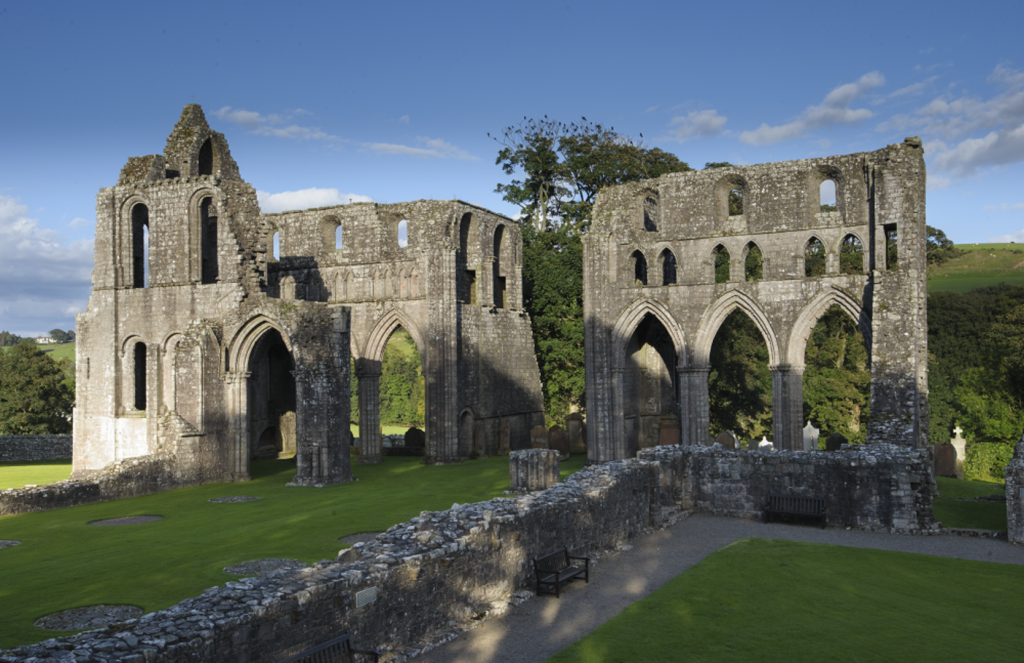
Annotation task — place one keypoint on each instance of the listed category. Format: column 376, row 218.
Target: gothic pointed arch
column 716, row 314
column 243, row 342
column 631, row 318
column 810, row 314
column 382, row 330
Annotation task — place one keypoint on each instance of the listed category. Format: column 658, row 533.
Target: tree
column 8, row 339
column 939, row 247
column 837, row 377
column 59, row 335
column 740, row 383
column 34, row 399
column 565, row 165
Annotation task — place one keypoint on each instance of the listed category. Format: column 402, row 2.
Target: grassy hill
column 57, row 351
column 981, row 265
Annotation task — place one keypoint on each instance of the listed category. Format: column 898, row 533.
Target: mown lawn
column 971, row 515
column 981, row 265
column 63, row 562
column 766, row 600
column 17, row 474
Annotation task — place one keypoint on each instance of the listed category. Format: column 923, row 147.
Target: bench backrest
column 338, row 650
column 556, row 561
column 796, row 503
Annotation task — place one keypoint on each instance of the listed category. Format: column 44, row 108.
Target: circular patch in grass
column 89, row 617
column 235, row 498
column 9, row 543
column 127, row 520
column 365, row 537
column 263, row 567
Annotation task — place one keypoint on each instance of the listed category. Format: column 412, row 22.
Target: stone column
column 695, row 415
column 237, row 402
column 787, row 406
column 533, row 469
column 369, row 414
column 321, row 440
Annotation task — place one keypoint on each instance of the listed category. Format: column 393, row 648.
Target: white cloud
column 306, row 199
column 44, row 276
column 913, row 90
column 697, row 124
column 835, row 109
column 404, row 119
column 651, row 109
column 1012, row 237
column 434, row 148
column 1005, row 207
column 274, row 125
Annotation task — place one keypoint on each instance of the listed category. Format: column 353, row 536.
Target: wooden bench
column 338, row 650
column 795, row 505
column 559, row 568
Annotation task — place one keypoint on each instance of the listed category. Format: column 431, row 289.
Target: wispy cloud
column 912, row 90
column 697, row 124
column 835, row 109
column 430, row 148
column 306, row 199
column 277, row 126
column 1012, row 237
column 404, row 119
column 651, row 109
column 46, row 279
column 1005, row 207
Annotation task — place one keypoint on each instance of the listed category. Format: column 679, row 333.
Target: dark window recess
column 651, row 214
column 211, row 268
column 206, row 158
column 721, row 255
column 668, row 269
column 140, row 376
column 891, row 248
column 639, row 269
column 140, row 245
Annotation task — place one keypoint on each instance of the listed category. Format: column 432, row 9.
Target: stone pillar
column 237, row 387
column 533, row 469
column 369, row 415
column 321, row 451
column 695, row 419
column 1015, row 495
column 787, row 406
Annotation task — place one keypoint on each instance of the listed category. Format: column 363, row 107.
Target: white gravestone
column 960, row 444
column 765, row 445
column 811, row 437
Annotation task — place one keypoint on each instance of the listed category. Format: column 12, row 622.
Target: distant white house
column 41, row 340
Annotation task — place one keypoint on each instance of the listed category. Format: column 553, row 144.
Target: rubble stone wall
column 1015, row 495
column 34, row 447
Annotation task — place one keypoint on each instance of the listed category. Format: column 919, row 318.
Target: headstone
column 811, row 437
column 765, row 445
column 577, row 431
column 538, row 437
column 728, row 440
column 533, row 469
column 558, row 440
column 945, row 460
column 669, row 433
column 834, row 442
column 415, row 438
column 960, row 445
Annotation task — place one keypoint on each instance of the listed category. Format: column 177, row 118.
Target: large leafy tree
column 740, row 384
column 34, row 397
column 939, row 247
column 837, row 377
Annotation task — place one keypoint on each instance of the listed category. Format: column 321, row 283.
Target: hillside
column 981, row 265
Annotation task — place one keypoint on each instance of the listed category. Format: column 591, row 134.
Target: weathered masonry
column 200, row 345
column 450, row 274
column 652, row 305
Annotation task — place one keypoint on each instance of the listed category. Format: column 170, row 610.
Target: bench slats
column 796, row 505
column 558, row 568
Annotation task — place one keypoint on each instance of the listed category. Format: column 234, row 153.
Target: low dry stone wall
column 143, row 475
column 1015, row 495
column 34, row 447
column 875, row 487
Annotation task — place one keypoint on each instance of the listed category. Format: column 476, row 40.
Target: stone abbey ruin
column 652, row 306
column 202, row 349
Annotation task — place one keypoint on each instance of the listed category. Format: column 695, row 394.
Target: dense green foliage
column 8, row 339
column 62, row 336
column 986, row 461
column 939, row 247
column 740, row 384
column 402, row 392
column 158, row 564
column 837, row 378
column 35, row 398
column 838, row 603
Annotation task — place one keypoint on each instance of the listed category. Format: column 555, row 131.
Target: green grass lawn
column 16, row 474
column 65, row 563
column 765, row 600
column 56, row 351
column 981, row 265
column 971, row 515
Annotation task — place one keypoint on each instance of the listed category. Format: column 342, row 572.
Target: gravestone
column 765, row 445
column 538, row 437
column 577, row 431
column 811, row 437
column 728, row 439
column 533, row 469
column 834, row 442
column 960, row 445
column 669, row 433
column 558, row 440
column 945, row 460
column 415, row 438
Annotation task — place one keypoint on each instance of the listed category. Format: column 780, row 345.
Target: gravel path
column 542, row 626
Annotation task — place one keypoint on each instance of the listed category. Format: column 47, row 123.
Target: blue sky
column 323, row 102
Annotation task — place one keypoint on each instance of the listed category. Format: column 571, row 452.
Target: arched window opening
column 651, row 214
column 668, row 268
column 721, row 258
column 639, row 269
column 891, row 248
column 736, row 202
column 140, row 376
column 338, row 237
column 851, row 256
column 272, row 398
column 206, row 158
column 402, row 389
column 827, row 196
column 650, row 391
column 837, row 377
column 210, row 263
column 403, row 233
column 140, row 246
column 814, row 258
column 466, row 277
column 740, row 382
column 500, row 258
column 753, row 263
column 275, row 246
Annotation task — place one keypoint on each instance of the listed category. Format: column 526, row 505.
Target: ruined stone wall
column 682, row 219
column 34, row 447
column 1015, row 495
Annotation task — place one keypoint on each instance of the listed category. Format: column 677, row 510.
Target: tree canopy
column 34, row 396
